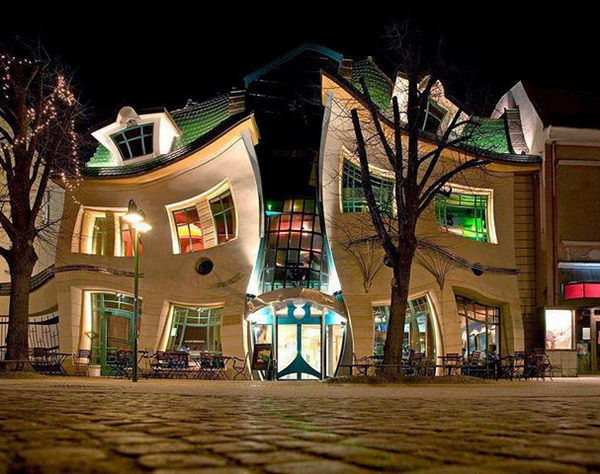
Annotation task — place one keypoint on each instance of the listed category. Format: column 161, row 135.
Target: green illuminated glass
column 463, row 214
column 353, row 196
column 195, row 329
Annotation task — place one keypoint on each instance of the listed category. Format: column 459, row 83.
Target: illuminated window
column 295, row 255
column 224, row 216
column 433, row 117
column 353, row 196
column 104, row 232
column 100, row 236
column 418, row 328
column 464, row 214
column 479, row 325
column 128, row 239
column 559, row 329
column 134, row 141
column 195, row 329
column 189, row 230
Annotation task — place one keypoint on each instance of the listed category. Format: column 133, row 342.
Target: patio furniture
column 210, row 366
column 47, row 362
column 119, row 363
column 170, row 364
column 451, row 363
column 237, row 366
column 81, row 361
column 539, row 365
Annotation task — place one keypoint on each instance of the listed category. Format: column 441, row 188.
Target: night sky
column 121, row 56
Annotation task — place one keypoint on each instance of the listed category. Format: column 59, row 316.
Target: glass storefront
column 587, row 339
column 479, row 326
column 308, row 339
column 418, row 327
column 195, row 329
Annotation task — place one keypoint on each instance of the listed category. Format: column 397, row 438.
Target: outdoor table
column 451, row 363
column 362, row 368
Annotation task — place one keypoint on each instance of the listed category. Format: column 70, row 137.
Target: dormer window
column 135, row 141
column 433, row 117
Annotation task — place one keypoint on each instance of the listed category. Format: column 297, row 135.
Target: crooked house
column 259, row 233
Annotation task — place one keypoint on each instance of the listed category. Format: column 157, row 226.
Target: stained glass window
column 353, row 196
column 295, row 254
column 463, row 214
column 189, row 230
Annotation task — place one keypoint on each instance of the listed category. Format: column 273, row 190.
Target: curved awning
column 280, row 298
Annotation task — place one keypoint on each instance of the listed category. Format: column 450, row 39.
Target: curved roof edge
column 168, row 158
column 256, row 74
column 487, row 154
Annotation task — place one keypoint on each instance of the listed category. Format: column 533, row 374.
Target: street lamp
column 135, row 217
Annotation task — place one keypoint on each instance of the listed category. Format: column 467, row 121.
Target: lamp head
column 134, row 215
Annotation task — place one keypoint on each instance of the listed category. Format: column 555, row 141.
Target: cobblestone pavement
column 83, row 425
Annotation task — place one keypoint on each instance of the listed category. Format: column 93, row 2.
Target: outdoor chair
column 170, row 364
column 47, row 362
column 451, row 363
column 539, row 365
column 81, row 361
column 119, row 363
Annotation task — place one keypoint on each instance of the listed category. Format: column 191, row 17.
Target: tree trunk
column 21, row 268
column 394, row 341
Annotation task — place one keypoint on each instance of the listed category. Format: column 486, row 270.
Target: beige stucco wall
column 168, row 277
column 490, row 288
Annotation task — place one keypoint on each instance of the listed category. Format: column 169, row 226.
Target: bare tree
column 421, row 162
column 38, row 142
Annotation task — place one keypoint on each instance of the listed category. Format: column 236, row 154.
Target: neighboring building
column 261, row 182
column 563, row 126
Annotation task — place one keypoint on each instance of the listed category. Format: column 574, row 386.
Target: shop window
column 195, row 329
column 353, row 196
column 204, row 221
column 464, row 214
column 223, row 214
column 134, row 141
column 480, row 326
column 295, row 254
column 433, row 117
column 189, row 230
column 100, row 235
column 104, row 232
column 419, row 334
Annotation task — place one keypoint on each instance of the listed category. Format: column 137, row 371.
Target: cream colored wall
column 498, row 289
column 169, row 278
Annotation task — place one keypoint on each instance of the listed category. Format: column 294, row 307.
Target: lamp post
column 135, row 218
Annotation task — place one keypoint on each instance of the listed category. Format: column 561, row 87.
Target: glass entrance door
column 112, row 323
column 299, row 349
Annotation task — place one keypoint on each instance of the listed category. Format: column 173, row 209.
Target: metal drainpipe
column 554, row 222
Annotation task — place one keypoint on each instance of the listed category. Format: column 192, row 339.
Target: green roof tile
column 193, row 120
column 379, row 85
column 489, row 135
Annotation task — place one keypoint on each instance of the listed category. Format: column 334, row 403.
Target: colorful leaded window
column 353, row 196
column 479, row 325
column 189, row 230
column 295, row 251
column 128, row 239
column 463, row 214
column 195, row 329
column 135, row 141
column 418, row 327
column 224, row 216
column 433, row 117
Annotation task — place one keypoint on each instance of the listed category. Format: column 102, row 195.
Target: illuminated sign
column 573, row 291
column 559, row 329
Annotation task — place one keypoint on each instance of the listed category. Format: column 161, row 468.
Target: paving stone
column 270, row 457
column 148, row 448
column 208, row 470
column 175, row 460
column 320, row 467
